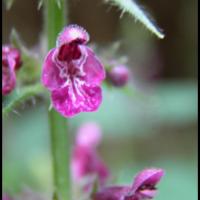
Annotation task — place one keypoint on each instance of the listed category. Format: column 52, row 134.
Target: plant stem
column 56, row 19
column 60, row 143
column 18, row 98
column 60, row 147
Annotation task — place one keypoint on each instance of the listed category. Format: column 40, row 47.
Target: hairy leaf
column 40, row 4
column 9, row 4
column 135, row 10
column 30, row 70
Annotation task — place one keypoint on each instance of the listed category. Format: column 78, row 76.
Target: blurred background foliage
column 154, row 126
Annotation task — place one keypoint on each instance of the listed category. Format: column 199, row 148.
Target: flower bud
column 11, row 61
column 118, row 75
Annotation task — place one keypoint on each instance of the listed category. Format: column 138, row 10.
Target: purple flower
column 85, row 160
column 143, row 187
column 73, row 74
column 6, row 197
column 11, row 61
column 118, row 75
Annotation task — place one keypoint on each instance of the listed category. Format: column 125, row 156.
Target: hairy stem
column 135, row 10
column 55, row 17
column 19, row 97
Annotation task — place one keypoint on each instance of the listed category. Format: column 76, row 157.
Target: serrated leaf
column 30, row 69
column 16, row 41
column 58, row 3
column 40, row 4
column 134, row 10
column 9, row 4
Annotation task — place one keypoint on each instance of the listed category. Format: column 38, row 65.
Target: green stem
column 60, row 146
column 56, row 19
column 60, row 143
column 18, row 98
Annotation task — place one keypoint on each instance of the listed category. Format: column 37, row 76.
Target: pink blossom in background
column 85, row 160
column 11, row 61
column 118, row 75
column 6, row 197
column 73, row 74
column 89, row 135
column 143, row 188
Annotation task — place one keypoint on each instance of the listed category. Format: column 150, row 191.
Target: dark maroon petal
column 69, row 52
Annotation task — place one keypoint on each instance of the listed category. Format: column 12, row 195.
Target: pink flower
column 73, row 74
column 143, row 187
column 6, row 197
column 85, row 160
column 118, row 75
column 11, row 61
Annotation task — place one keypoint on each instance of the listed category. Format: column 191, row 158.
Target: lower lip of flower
column 148, row 191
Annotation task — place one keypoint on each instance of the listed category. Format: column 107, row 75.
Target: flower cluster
column 73, row 74
column 85, row 161
column 27, row 194
column 143, row 187
column 11, row 61
column 5, row 197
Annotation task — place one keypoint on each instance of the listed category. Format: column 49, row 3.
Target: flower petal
column 89, row 135
column 93, row 68
column 51, row 77
column 8, row 77
column 147, row 177
column 112, row 193
column 8, row 52
column 68, row 52
column 119, row 75
column 72, row 34
column 147, row 194
column 85, row 162
column 5, row 197
column 76, row 98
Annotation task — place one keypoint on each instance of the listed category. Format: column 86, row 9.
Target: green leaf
column 17, row 98
column 15, row 40
column 30, row 70
column 134, row 10
column 40, row 4
column 58, row 3
column 9, row 4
